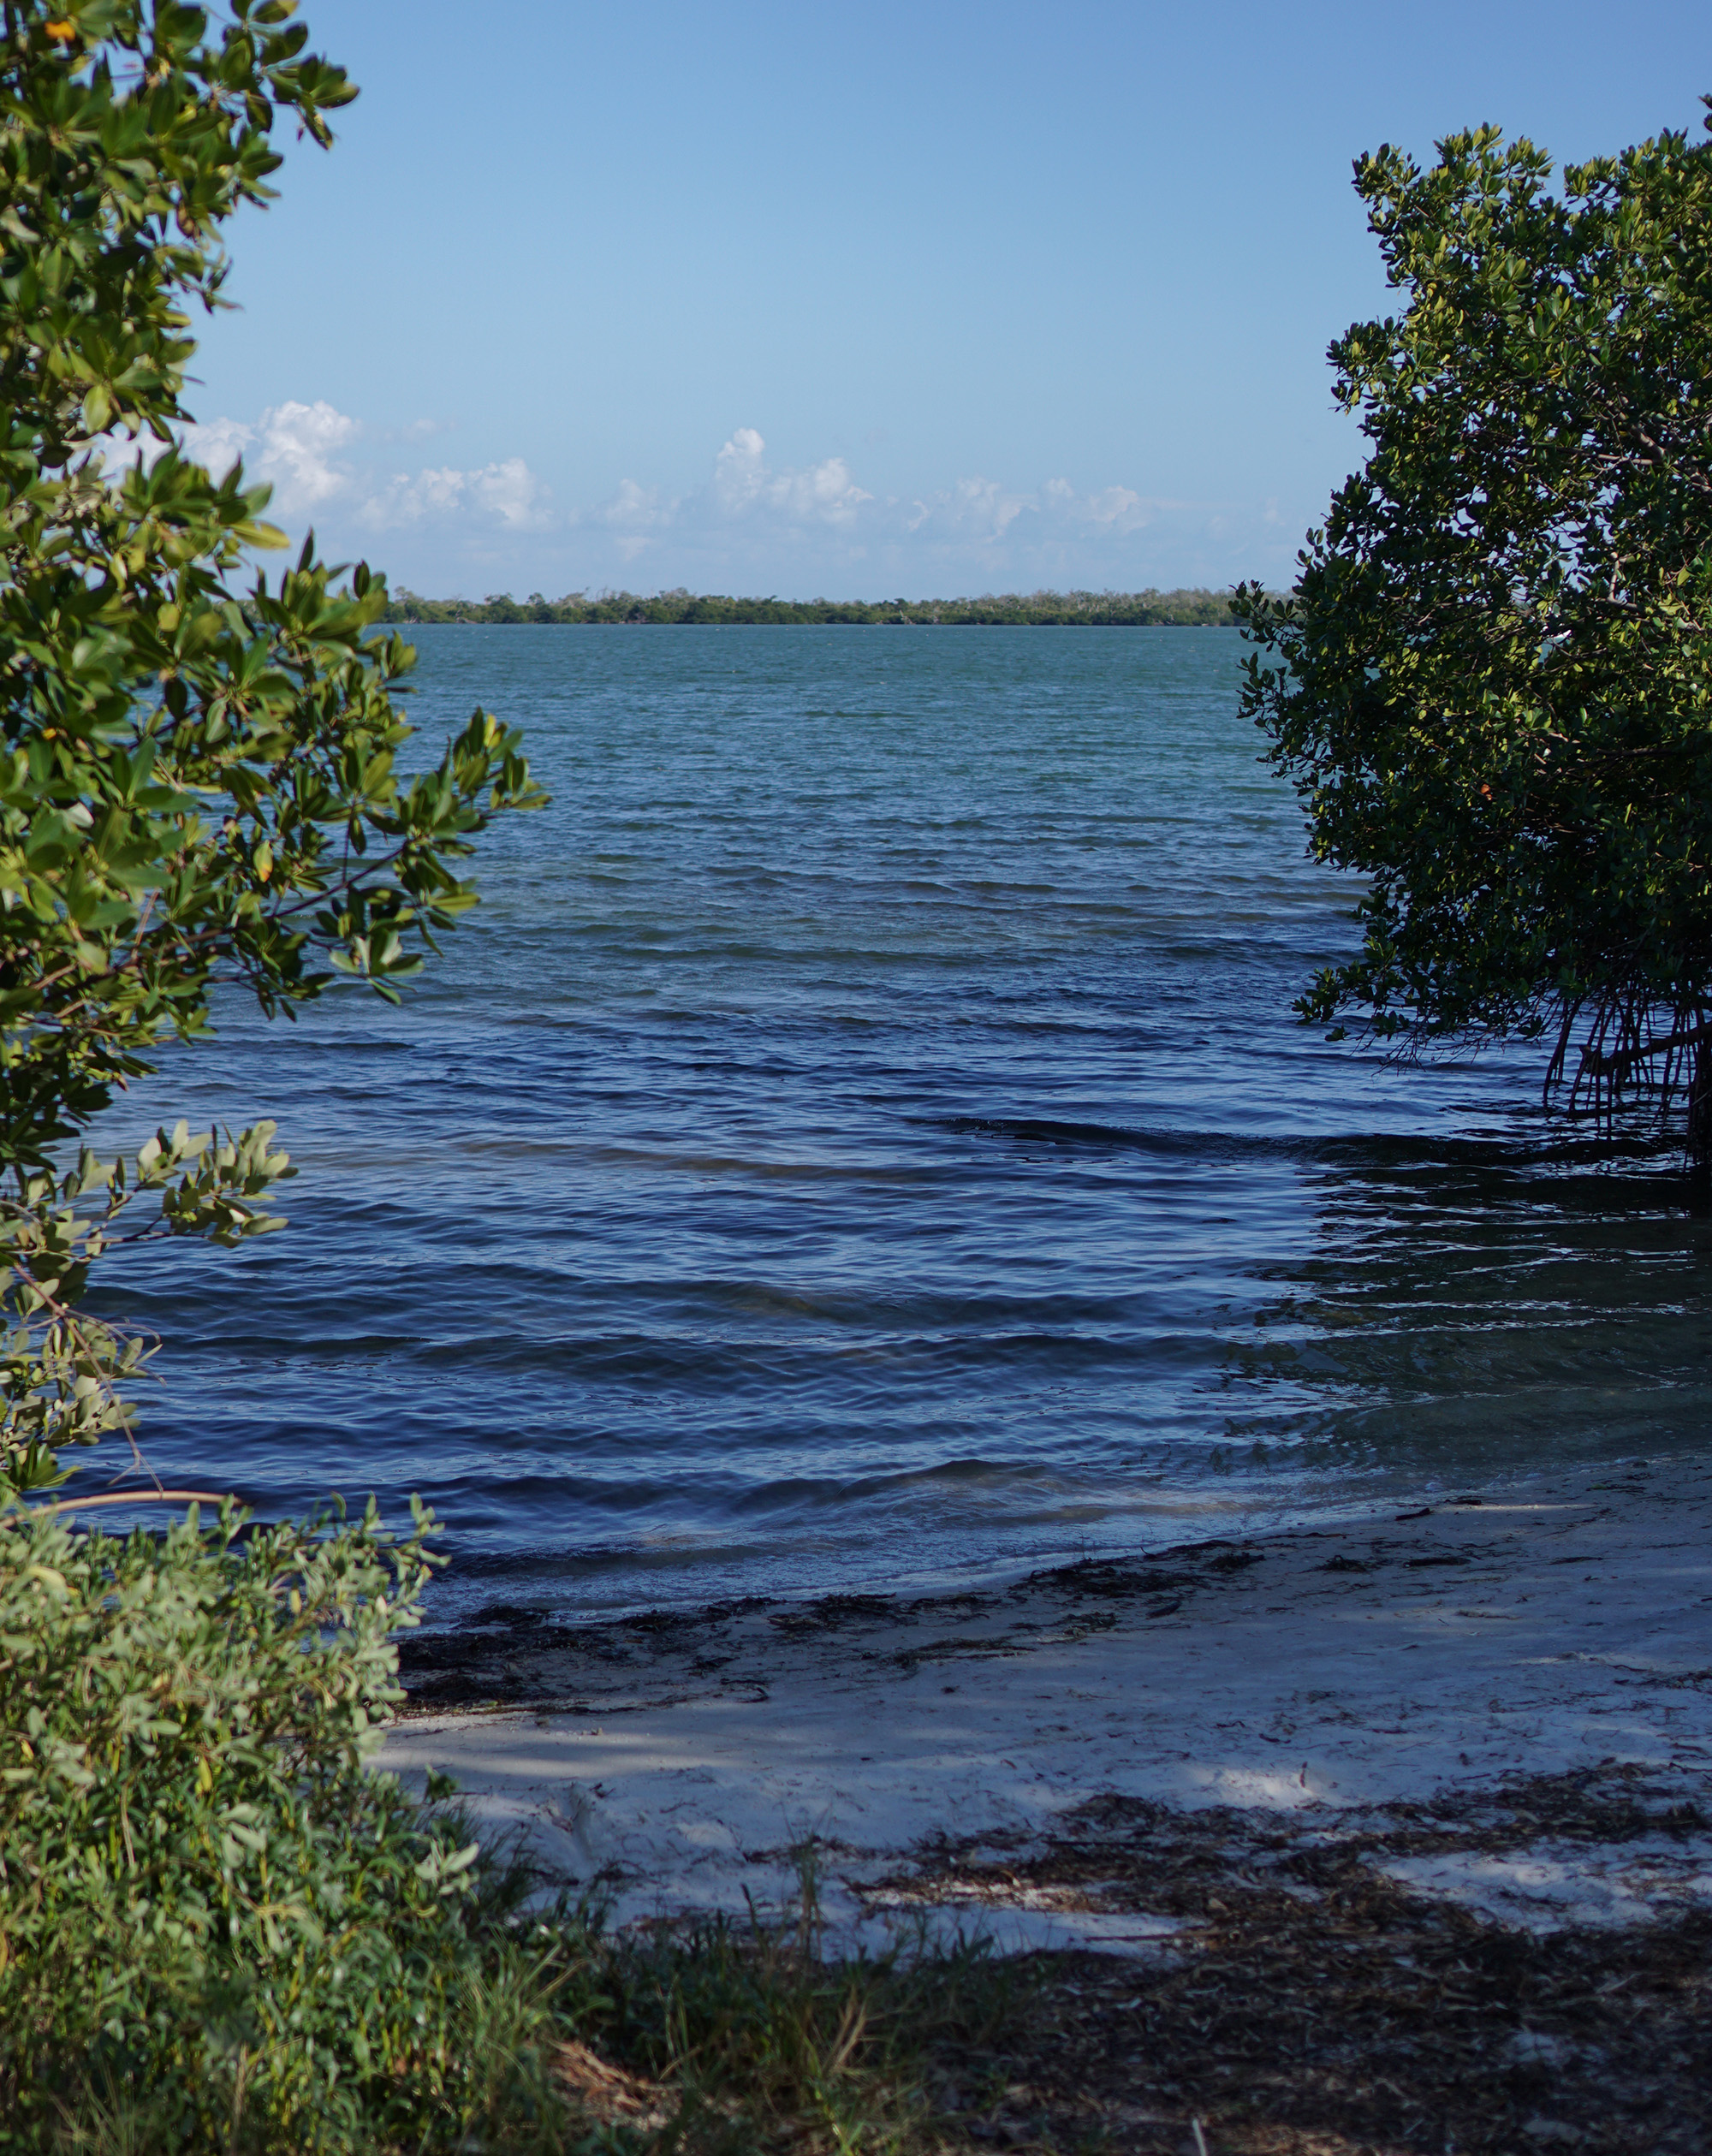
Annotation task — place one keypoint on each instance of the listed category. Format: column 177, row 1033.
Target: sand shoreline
column 1453, row 1688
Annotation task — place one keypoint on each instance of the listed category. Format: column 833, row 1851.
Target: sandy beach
column 1504, row 1703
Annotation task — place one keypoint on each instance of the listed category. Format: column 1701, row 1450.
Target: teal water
column 863, row 1138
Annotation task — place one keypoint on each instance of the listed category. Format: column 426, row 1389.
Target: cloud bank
column 750, row 525
column 746, row 498
column 300, row 450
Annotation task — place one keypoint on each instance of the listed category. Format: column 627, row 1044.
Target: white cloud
column 739, row 473
column 634, row 514
column 751, row 519
column 744, row 492
column 291, row 447
column 296, row 449
column 218, row 445
column 1116, row 509
column 750, row 524
column 511, row 492
column 743, row 482
column 404, row 499
column 508, row 494
column 416, row 430
column 635, row 508
column 973, row 509
column 297, row 442
column 981, row 512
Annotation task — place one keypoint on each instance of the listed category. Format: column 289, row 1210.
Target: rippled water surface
column 863, row 1137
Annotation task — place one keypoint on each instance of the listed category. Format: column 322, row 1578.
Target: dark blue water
column 862, row 1136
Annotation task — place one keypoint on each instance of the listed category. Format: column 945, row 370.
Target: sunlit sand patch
column 1340, row 1682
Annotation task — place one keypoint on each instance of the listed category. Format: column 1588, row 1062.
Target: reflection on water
column 1479, row 1304
column 864, row 1136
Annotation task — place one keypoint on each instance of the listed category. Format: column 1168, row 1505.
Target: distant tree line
column 1194, row 609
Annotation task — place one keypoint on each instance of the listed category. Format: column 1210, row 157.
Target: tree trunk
column 1700, row 1128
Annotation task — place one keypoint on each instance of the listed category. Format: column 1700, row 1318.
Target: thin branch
column 134, row 1497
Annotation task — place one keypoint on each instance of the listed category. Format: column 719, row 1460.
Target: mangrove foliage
column 1492, row 683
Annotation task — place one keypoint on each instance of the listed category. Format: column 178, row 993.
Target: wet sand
column 1448, row 1689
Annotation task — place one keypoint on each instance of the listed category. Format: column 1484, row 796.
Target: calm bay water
column 863, row 1138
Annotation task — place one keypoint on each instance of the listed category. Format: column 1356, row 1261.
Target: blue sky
column 906, row 299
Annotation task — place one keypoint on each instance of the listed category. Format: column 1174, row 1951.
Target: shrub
column 219, row 1927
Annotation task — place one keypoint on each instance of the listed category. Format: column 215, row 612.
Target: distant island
column 1197, row 609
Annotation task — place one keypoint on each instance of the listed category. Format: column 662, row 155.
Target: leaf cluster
column 206, row 776
column 128, row 135
column 1492, row 684
column 196, row 779
column 61, row 1369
